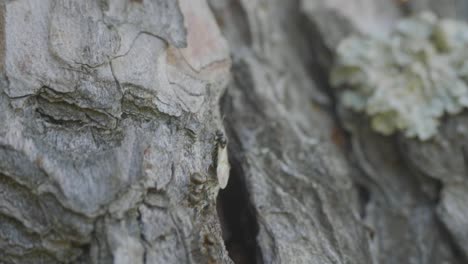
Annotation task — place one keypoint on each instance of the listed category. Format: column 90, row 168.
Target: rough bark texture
column 114, row 115
column 109, row 113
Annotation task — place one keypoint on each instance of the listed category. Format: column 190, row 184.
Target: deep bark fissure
column 320, row 63
column 237, row 217
column 364, row 195
column 318, row 68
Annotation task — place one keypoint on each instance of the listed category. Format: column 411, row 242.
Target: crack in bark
column 237, row 216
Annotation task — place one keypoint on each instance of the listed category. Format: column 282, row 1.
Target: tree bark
column 194, row 131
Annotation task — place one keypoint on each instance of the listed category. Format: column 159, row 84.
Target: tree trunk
column 120, row 120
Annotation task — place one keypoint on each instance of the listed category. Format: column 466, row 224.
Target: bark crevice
column 237, row 216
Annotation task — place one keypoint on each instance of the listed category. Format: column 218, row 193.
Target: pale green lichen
column 408, row 80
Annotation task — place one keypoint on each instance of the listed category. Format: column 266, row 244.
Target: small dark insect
column 220, row 138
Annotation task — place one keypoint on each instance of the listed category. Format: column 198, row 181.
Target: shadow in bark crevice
column 238, row 218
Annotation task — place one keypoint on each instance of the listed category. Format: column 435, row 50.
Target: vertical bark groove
column 238, row 219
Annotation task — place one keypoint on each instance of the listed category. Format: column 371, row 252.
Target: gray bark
column 114, row 120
